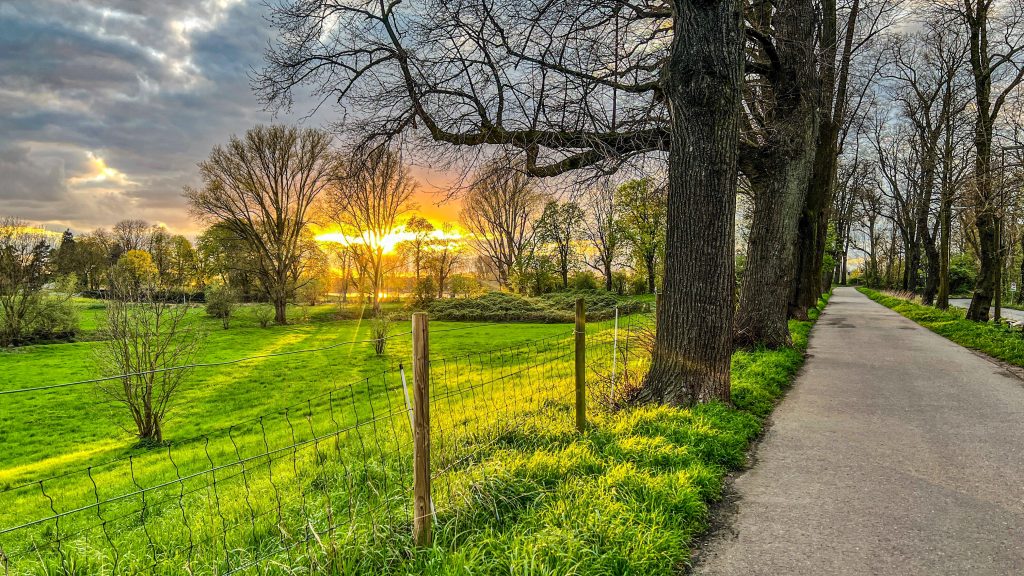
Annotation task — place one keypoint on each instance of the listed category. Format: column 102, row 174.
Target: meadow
column 300, row 463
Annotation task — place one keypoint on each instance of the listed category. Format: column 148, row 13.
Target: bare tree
column 369, row 193
column 499, row 210
column 443, row 256
column 145, row 336
column 569, row 84
column 996, row 47
column 260, row 188
column 131, row 235
column 848, row 33
column 604, row 230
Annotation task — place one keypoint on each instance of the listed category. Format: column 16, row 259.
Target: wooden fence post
column 581, row 365
column 421, row 524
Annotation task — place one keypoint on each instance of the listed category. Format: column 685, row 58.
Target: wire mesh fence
column 320, row 483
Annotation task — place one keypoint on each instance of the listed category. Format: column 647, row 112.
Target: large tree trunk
column 778, row 173
column 945, row 229
column 693, row 347
column 280, row 310
column 931, row 285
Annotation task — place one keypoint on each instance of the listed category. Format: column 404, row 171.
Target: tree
column 604, row 230
column 130, row 235
column 24, row 271
column 559, row 226
column 776, row 155
column 498, row 210
column 260, row 188
column 570, row 85
column 444, row 257
column 996, row 48
column 864, row 22
column 421, row 230
column 367, row 197
column 135, row 270
column 146, row 337
column 642, row 202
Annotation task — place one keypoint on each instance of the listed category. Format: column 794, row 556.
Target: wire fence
column 320, row 484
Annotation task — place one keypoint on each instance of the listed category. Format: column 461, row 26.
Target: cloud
column 106, row 106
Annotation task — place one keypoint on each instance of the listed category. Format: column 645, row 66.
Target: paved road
column 1007, row 313
column 896, row 452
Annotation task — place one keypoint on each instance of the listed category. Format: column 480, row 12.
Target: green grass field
column 301, row 462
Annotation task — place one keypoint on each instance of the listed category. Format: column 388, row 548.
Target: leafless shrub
column 146, row 337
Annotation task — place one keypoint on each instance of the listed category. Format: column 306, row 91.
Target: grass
column 522, row 492
column 997, row 340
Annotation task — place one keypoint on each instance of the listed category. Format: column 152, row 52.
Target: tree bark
column 703, row 88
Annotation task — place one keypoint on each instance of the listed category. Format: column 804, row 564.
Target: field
column 300, row 462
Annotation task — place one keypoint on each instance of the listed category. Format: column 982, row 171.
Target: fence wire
column 320, row 483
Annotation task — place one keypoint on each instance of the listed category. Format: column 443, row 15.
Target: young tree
column 568, row 84
column 604, row 230
column 444, row 257
column 642, row 202
column 559, row 226
column 260, row 188
column 145, row 336
column 367, row 197
column 499, row 210
column 421, row 230
column 135, row 269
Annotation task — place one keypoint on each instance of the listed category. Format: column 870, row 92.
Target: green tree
column 559, row 226
column 642, row 202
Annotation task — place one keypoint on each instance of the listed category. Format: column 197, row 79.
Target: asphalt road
column 1006, row 313
column 896, row 452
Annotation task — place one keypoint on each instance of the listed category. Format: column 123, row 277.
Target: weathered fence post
column 421, row 524
column 581, row 365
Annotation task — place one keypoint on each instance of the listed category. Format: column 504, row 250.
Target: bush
column 424, row 292
column 221, row 301
column 963, row 273
column 584, row 281
column 264, row 314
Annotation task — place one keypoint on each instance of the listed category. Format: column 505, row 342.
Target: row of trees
column 726, row 95
column 928, row 193
column 523, row 233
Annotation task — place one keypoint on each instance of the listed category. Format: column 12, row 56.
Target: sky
column 106, row 106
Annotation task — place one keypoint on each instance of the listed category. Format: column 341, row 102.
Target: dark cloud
column 106, row 106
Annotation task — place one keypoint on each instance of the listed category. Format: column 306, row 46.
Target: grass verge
column 628, row 497
column 997, row 340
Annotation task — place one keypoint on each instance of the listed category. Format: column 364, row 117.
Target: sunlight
column 389, row 242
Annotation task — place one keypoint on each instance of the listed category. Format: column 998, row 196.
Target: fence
column 354, row 475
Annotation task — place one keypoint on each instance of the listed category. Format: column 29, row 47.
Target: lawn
column 321, row 479
column 1000, row 341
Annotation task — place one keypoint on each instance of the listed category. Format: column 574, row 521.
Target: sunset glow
column 390, row 242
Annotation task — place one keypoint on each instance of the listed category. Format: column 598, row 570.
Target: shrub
column 264, row 314
column 221, row 301
column 424, row 292
column 584, row 281
column 380, row 327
